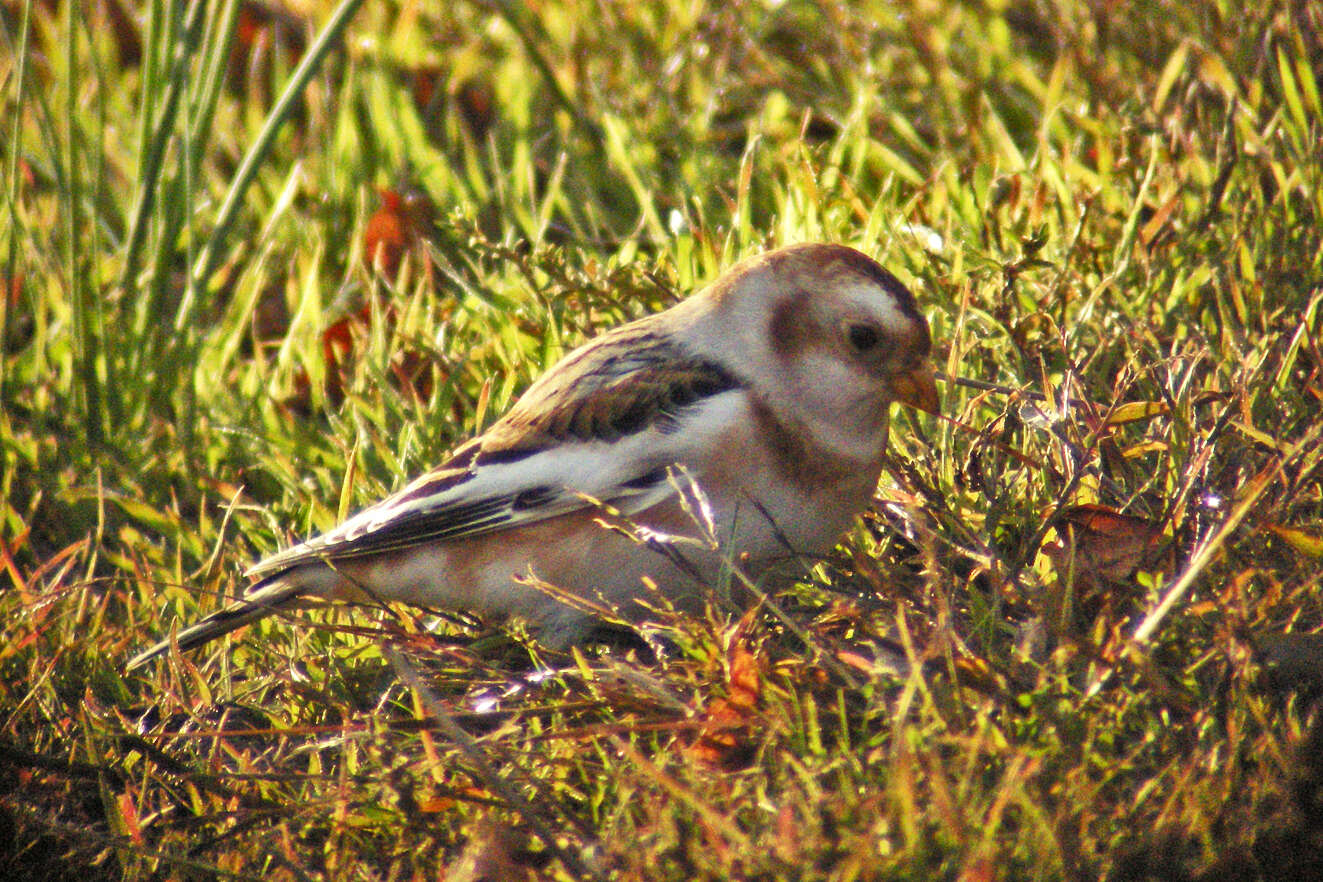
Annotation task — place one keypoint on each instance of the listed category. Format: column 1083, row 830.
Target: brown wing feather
column 609, row 389
column 625, row 382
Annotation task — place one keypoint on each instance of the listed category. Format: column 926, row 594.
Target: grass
column 1076, row 638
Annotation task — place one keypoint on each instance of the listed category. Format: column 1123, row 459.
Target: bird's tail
column 256, row 604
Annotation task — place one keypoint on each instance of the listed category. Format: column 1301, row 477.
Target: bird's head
column 826, row 336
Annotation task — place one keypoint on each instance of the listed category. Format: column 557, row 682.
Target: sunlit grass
column 1071, row 642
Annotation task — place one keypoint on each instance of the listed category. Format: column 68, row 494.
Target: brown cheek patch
column 789, row 327
column 626, row 383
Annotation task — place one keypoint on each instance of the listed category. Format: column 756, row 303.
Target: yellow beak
column 917, row 387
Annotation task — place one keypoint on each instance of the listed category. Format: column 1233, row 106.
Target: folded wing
column 603, row 429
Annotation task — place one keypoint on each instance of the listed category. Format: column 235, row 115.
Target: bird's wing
column 604, row 427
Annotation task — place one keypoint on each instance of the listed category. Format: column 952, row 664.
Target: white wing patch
column 629, row 474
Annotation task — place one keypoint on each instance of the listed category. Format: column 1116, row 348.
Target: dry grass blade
column 1209, row 548
column 225, row 327
column 486, row 773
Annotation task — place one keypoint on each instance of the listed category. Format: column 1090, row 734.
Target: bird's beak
column 916, row 387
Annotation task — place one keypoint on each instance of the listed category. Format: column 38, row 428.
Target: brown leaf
column 262, row 30
column 727, row 725
column 787, row 842
column 128, row 815
column 1098, row 553
column 744, row 676
column 398, row 226
column 1101, row 544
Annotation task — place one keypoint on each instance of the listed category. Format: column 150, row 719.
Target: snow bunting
column 756, row 409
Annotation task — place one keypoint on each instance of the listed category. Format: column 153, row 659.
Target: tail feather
column 258, row 604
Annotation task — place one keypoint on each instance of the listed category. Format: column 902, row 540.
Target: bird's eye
column 864, row 338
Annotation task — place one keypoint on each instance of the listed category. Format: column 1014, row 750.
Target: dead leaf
column 128, row 815
column 787, row 841
column 1099, row 551
column 398, row 226
column 1102, row 544
column 262, row 31
column 725, row 736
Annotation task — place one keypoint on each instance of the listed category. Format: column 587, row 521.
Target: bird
column 745, row 426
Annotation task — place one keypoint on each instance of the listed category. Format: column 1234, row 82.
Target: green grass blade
column 325, row 43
